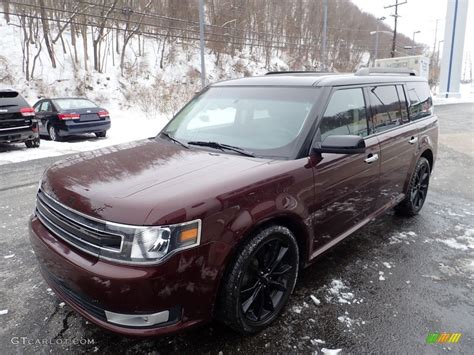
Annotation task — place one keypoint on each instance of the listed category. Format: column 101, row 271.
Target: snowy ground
column 126, row 126
column 467, row 96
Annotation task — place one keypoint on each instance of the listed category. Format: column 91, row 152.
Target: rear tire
column 102, row 134
column 417, row 190
column 53, row 134
column 34, row 143
column 259, row 281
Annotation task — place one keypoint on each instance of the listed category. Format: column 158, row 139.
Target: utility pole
column 394, row 41
column 201, row 42
column 325, row 32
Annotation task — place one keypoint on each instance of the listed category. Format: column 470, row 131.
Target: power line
column 280, row 44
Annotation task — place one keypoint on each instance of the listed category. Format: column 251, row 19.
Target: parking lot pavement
column 382, row 290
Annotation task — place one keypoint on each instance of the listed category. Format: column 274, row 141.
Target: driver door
column 346, row 185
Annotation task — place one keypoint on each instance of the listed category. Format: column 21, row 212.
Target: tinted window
column 345, row 114
column 419, row 97
column 12, row 98
column 386, row 107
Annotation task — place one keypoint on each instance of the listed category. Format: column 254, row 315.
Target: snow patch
column 339, row 293
column 331, row 351
column 402, row 237
column 297, row 309
column 315, row 300
column 387, row 265
column 3, row 311
column 463, row 242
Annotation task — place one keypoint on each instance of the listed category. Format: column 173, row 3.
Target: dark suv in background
column 247, row 184
column 17, row 120
column 63, row 117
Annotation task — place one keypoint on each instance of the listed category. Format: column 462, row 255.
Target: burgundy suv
column 249, row 183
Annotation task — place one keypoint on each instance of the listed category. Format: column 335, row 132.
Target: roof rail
column 392, row 71
column 298, row 72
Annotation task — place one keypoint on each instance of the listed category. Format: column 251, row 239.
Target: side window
column 45, row 106
column 386, row 107
column 345, row 115
column 420, row 102
column 37, row 106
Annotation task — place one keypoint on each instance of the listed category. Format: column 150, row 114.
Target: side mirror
column 342, row 145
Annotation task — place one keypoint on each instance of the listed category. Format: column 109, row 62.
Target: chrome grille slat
column 87, row 234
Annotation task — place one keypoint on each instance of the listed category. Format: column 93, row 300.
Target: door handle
column 371, row 158
column 413, row 140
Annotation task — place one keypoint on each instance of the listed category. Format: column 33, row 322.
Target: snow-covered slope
column 140, row 101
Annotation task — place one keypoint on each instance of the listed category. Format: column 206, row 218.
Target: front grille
column 81, row 300
column 85, row 233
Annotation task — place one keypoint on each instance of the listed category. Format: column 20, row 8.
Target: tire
column 417, row 190
column 53, row 134
column 102, row 134
column 251, row 296
column 34, row 143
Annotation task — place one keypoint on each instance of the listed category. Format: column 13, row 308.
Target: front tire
column 259, row 281
column 417, row 190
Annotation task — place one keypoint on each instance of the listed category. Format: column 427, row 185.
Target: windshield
column 264, row 120
column 73, row 104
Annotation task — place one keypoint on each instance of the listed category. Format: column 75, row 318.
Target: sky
column 421, row 15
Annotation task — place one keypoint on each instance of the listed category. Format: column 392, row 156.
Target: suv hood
column 147, row 182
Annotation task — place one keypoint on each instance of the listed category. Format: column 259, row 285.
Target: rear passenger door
column 44, row 111
column 398, row 138
column 345, row 184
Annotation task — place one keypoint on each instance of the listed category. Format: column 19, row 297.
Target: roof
column 316, row 79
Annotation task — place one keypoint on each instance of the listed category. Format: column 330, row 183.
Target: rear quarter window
column 386, row 107
column 420, row 101
column 12, row 98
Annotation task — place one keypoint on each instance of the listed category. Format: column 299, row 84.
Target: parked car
column 250, row 182
column 63, row 117
column 17, row 120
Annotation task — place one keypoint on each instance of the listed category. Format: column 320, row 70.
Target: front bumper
column 116, row 296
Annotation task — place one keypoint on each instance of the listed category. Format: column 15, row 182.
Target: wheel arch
column 296, row 226
column 428, row 155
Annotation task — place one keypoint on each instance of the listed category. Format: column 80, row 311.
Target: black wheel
column 259, row 282
column 417, row 190
column 101, row 134
column 53, row 134
column 34, row 143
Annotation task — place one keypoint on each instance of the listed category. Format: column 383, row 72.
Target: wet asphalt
column 382, row 290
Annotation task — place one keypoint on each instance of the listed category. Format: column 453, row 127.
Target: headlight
column 150, row 245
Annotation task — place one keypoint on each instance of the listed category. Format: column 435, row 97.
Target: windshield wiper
column 223, row 146
column 174, row 139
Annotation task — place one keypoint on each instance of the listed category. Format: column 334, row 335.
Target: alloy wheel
column 266, row 281
column 420, row 187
